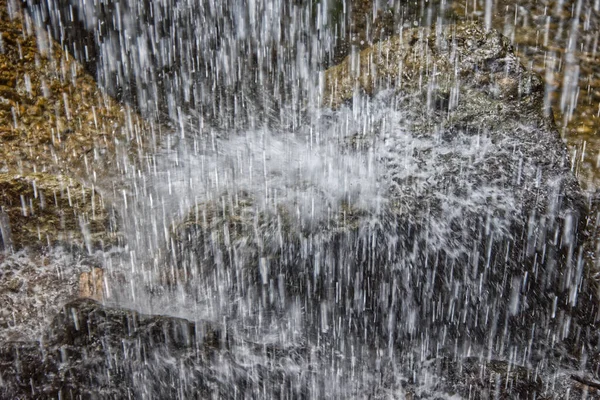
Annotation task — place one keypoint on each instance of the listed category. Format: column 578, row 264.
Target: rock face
column 91, row 351
column 428, row 211
column 53, row 116
column 34, row 286
column 57, row 130
column 151, row 78
column 45, row 210
column 461, row 231
column 60, row 139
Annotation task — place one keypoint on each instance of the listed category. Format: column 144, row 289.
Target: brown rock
column 40, row 102
column 91, row 284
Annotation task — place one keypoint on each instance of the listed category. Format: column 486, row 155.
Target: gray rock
column 464, row 231
column 92, row 351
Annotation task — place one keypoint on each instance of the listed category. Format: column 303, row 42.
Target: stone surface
column 91, row 351
column 33, row 287
column 95, row 351
column 543, row 34
column 478, row 378
column 475, row 248
column 91, row 284
column 63, row 141
column 477, row 236
column 53, row 116
column 436, row 60
column 41, row 210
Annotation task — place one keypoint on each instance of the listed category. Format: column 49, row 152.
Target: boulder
column 435, row 209
column 473, row 377
column 93, row 351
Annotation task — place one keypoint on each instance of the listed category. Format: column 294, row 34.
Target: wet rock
column 33, row 287
column 41, row 210
column 91, row 284
column 53, row 116
column 359, row 24
column 93, row 351
column 107, row 28
column 476, row 378
column 84, row 322
column 490, row 379
column 463, row 58
column 60, row 139
column 564, row 69
column 480, row 378
column 150, row 80
column 476, row 241
column 581, row 386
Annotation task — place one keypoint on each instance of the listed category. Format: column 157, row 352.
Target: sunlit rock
column 91, row 284
column 557, row 40
column 53, row 116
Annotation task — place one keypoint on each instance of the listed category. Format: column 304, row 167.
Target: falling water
column 362, row 244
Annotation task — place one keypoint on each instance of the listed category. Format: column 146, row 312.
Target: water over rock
column 95, row 351
column 41, row 210
column 91, row 351
column 34, row 285
column 426, row 211
column 434, row 204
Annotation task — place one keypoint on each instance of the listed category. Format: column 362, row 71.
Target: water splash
column 353, row 241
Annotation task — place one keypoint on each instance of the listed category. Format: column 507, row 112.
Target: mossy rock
column 43, row 210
